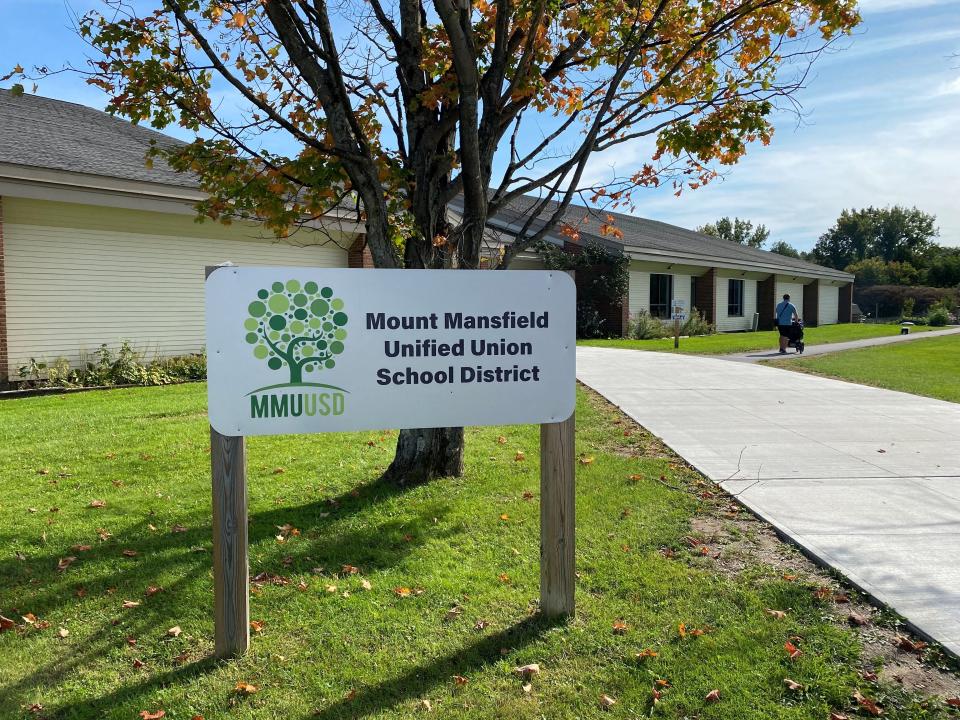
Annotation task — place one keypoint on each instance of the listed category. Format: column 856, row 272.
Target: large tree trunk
column 426, row 453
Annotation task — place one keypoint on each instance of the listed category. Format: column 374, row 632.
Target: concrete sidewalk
column 867, row 480
column 823, row 349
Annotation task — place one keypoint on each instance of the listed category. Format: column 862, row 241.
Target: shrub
column 888, row 300
column 106, row 369
column 644, row 326
column 938, row 316
column 696, row 324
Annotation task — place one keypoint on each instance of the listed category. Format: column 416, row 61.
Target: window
column 661, row 295
column 734, row 298
column 693, row 291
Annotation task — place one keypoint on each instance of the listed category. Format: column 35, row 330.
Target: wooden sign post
column 246, row 321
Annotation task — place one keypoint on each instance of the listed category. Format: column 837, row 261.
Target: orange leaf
column 239, row 19
column 713, row 696
column 98, row 503
column 953, row 702
column 244, row 688
column 504, row 516
column 65, row 563
column 502, row 440
column 682, row 629
column 401, row 592
column 519, row 457
column 620, row 627
column 257, row 625
column 792, row 650
column 607, row 702
column 792, row 684
column 778, row 614
column 868, row 705
column 147, row 715
column 460, row 680
column 647, row 653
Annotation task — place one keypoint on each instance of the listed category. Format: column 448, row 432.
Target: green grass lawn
column 725, row 343
column 94, row 591
column 925, row 367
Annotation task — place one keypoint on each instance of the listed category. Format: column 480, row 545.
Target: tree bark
column 426, row 453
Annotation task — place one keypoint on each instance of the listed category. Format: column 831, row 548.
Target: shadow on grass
column 418, row 681
column 35, row 586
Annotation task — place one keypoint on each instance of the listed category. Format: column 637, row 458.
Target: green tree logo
column 300, row 327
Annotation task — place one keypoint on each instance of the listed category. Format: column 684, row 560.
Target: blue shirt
column 785, row 312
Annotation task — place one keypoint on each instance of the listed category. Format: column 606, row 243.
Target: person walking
column 786, row 313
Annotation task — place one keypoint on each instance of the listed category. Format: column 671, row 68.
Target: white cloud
column 878, row 6
column 950, row 87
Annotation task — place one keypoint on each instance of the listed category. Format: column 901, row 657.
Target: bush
column 107, row 369
column 938, row 315
column 696, row 324
column 644, row 326
column 888, row 300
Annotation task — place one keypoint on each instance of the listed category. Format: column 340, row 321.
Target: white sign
column 308, row 350
column 679, row 309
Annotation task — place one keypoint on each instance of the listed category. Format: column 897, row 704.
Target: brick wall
column 359, row 256
column 616, row 315
column 4, row 356
column 706, row 299
column 766, row 302
column 811, row 304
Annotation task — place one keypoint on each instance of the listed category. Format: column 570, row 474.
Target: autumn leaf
column 137, row 663
column 333, row 588
column 64, row 563
column 98, row 503
column 713, row 696
column 777, row 614
column 129, row 553
column 838, row 716
column 869, row 675
column 867, row 704
column 647, row 653
column 81, row 548
column 792, row 684
column 104, row 534
column 908, row 645
column 365, row 584
column 682, row 630
column 527, row 671
column 790, row 578
column 527, row 495
column 131, row 603
column 821, row 593
column 460, row 680
column 504, row 516
column 147, row 715
column 503, row 577
column 245, row 688
column 620, row 627
column 29, row 618
column 953, row 702
column 481, row 624
column 257, row 625
column 858, row 619
column 401, row 592
column 349, row 570
column 453, row 613
column 6, row 623
column 607, row 702
column 635, row 478
column 152, row 590
column 792, row 650
column 586, row 460
column 841, row 598
column 63, row 632
column 502, row 440
column 178, row 529
column 174, row 631
column 519, row 457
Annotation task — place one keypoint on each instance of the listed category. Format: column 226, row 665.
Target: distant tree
column 891, row 234
column 781, row 247
column 942, row 266
column 739, row 231
column 869, row 271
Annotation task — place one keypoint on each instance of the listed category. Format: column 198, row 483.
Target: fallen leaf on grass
column 98, row 503
column 586, row 460
column 519, row 457
column 453, row 613
column 502, row 440
column 129, row 553
column 29, row 618
column 790, row 578
column 635, row 478
column 131, row 603
column 905, row 643
column 401, row 592
column 279, row 471
column 620, row 627
column 257, row 625
column 137, row 663
column 350, row 696
column 481, row 624
column 647, row 653
column 953, row 702
column 504, row 516
column 503, row 577
column 869, row 675
column 822, row 593
column 174, row 631
column 103, row 533
column 349, row 570
column 858, row 619
column 867, row 704
column 6, row 623
column 460, row 680
column 65, row 563
column 792, row 650
column 778, row 614
column 607, row 702
column 178, row 529
column 81, row 548
column 841, row 598
column 425, row 705
column 527, row 495
column 792, row 684
column 152, row 590
column 365, row 584
column 713, row 696
column 838, row 716
column 330, row 588
column 527, row 671
column 63, row 632
column 245, row 688
column 147, row 715
column 266, row 578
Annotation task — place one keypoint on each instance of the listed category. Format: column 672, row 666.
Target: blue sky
column 880, row 123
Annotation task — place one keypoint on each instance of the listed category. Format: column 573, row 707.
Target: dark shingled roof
column 640, row 234
column 44, row 133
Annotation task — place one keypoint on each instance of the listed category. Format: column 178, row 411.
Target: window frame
column 735, row 300
column 660, row 310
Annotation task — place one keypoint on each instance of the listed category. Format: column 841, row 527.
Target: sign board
column 679, row 311
column 308, row 350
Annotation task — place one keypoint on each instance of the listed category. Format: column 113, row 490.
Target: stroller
column 795, row 339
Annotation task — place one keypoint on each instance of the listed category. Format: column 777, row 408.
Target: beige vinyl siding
column 526, row 263
column 639, row 291
column 829, row 301
column 725, row 322
column 79, row 276
column 792, row 287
